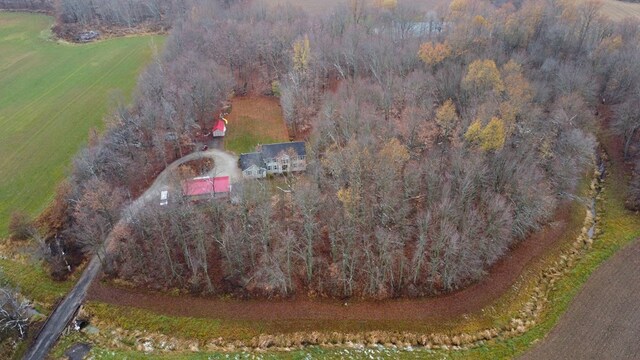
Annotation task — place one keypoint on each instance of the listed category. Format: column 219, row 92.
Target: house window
column 284, row 167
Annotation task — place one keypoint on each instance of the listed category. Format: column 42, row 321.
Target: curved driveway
column 603, row 321
column 225, row 164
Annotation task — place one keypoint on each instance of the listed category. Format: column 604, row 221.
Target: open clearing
column 51, row 94
column 253, row 121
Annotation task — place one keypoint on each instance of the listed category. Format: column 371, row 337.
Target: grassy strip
column 34, row 282
column 189, row 328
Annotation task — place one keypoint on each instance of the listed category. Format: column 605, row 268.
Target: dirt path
column 603, row 321
column 501, row 277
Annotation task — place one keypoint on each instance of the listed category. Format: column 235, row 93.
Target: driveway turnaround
column 603, row 321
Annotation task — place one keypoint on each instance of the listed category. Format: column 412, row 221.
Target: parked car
column 164, row 197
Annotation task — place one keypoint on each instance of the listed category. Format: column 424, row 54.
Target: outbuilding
column 207, row 187
column 219, row 128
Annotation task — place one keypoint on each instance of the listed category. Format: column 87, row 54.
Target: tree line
column 433, row 146
column 47, row 6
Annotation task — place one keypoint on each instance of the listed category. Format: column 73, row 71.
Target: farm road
column 225, row 165
column 603, row 321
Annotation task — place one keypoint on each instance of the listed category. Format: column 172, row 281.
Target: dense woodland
column 435, row 143
column 113, row 16
column 47, row 6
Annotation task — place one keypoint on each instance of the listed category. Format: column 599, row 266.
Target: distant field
column 618, row 10
column 253, row 121
column 320, row 6
column 615, row 9
column 51, row 94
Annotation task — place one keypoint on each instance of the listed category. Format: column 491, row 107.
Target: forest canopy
column 435, row 142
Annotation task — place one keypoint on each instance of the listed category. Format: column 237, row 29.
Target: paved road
column 63, row 314
column 603, row 321
column 225, row 164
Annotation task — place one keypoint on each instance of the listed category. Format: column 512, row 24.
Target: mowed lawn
column 51, row 94
column 253, row 121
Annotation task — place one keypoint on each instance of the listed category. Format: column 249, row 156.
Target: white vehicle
column 164, row 197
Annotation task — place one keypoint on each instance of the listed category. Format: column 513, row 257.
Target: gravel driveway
column 225, row 164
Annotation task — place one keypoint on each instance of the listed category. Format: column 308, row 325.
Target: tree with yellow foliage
column 493, row 135
column 458, row 7
column 301, row 54
column 394, row 153
column 447, row 118
column 483, row 76
column 388, row 4
column 473, row 132
column 490, row 138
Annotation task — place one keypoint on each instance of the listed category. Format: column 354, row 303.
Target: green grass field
column 253, row 121
column 51, row 94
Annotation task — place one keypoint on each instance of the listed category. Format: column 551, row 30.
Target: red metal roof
column 206, row 185
column 219, row 126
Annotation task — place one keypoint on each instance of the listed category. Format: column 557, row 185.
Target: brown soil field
column 603, row 321
column 300, row 314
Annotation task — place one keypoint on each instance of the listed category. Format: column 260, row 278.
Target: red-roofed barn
column 205, row 187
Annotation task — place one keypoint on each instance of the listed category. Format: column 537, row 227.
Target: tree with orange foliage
column 433, row 54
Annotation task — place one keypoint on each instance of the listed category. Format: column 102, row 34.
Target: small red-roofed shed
column 219, row 128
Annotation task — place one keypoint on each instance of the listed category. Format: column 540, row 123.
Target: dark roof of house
column 273, row 150
column 246, row 160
